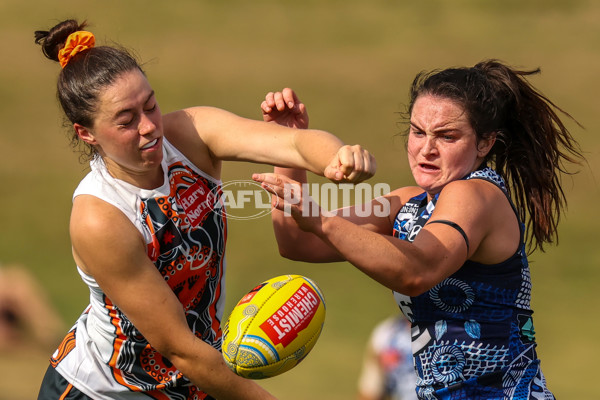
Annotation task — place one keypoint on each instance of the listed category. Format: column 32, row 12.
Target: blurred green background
column 351, row 62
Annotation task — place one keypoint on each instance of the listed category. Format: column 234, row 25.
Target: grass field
column 351, row 62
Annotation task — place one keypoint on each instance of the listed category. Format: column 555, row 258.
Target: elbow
column 171, row 351
column 285, row 252
column 416, row 275
column 288, row 244
column 178, row 345
column 290, row 252
column 412, row 286
column 414, row 291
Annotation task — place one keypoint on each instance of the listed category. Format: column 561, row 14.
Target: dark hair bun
column 54, row 39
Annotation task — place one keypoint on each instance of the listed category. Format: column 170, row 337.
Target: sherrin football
column 273, row 327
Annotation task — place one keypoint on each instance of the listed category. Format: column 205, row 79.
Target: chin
column 152, row 162
column 424, row 184
column 430, row 187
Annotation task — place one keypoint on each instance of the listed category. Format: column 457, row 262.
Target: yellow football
column 273, row 327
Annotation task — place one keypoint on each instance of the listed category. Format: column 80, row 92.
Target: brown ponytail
column 82, row 80
column 54, row 40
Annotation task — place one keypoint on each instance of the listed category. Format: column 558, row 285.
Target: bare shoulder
column 472, row 200
column 101, row 233
column 91, row 215
column 473, row 190
column 483, row 211
column 186, row 130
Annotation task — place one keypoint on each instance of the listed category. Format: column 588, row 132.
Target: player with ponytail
column 148, row 227
column 532, row 143
column 487, row 152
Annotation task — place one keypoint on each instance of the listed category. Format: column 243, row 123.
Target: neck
column 146, row 179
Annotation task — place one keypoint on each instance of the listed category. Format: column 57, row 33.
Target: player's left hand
column 284, row 108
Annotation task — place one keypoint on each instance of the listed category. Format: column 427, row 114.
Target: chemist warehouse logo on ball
column 292, row 317
column 245, row 199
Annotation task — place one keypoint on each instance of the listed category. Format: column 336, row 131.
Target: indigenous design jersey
column 472, row 334
column 184, row 226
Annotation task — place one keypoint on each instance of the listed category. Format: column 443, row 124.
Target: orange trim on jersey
column 158, row 395
column 66, row 392
column 65, row 347
column 119, row 339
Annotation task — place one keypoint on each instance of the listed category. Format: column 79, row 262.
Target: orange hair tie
column 76, row 43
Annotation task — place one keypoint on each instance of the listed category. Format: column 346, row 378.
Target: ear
column 85, row 134
column 485, row 145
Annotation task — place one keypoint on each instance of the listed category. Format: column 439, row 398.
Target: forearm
column 197, row 360
column 316, row 149
column 294, row 243
column 394, row 263
column 205, row 367
column 294, row 211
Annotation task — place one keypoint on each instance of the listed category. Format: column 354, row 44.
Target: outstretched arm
column 291, row 196
column 438, row 251
column 207, row 132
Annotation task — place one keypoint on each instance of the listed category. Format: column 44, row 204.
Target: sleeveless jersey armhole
column 512, row 205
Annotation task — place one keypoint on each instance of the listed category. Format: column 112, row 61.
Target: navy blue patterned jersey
column 472, row 335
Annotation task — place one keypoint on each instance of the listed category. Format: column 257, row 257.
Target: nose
column 429, row 146
column 146, row 125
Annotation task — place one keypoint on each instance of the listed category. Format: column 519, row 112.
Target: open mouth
column 150, row 145
column 428, row 167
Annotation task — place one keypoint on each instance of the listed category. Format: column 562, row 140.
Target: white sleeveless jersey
column 184, row 226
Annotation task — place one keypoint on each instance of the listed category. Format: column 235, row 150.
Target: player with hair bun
column 148, row 229
column 487, row 151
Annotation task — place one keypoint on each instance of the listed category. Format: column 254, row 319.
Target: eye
column 125, row 122
column 151, row 109
column 416, row 132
